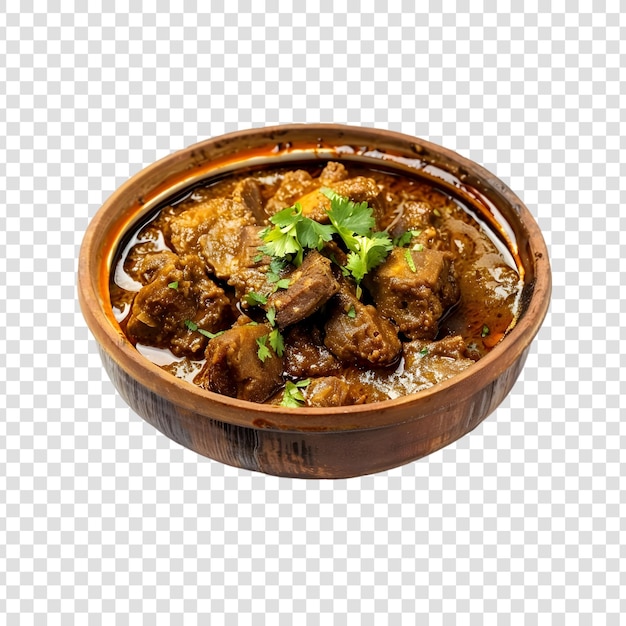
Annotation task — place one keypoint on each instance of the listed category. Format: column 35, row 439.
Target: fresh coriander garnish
column 283, row 283
column 253, row 298
column 173, row 285
column 292, row 396
column 209, row 335
column 277, row 265
column 485, row 331
column 277, row 342
column 351, row 313
column 405, row 238
column 194, row 328
column 409, row 260
column 368, row 253
column 353, row 222
column 349, row 218
column 263, row 352
column 292, row 233
column 418, row 247
column 423, row 352
column 271, row 315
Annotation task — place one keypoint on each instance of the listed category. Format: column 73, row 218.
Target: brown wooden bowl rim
column 368, row 416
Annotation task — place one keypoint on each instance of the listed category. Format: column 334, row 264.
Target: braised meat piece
column 357, row 334
column 424, row 220
column 333, row 173
column 145, row 264
column 414, row 294
column 292, row 187
column 359, row 189
column 362, row 189
column 249, row 268
column 233, row 367
column 305, row 352
column 179, row 291
column 451, row 347
column 336, row 391
column 428, row 363
column 248, row 192
column 300, row 186
column 310, row 287
column 213, row 230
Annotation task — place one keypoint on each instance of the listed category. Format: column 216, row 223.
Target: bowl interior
column 491, row 201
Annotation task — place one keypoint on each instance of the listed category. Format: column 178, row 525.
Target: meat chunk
column 179, row 291
column 142, row 264
column 427, row 363
column 359, row 189
column 293, row 186
column 249, row 268
column 357, row 334
column 314, row 204
column 425, row 221
column 362, row 189
column 248, row 193
column 310, row 287
column 305, row 352
column 336, row 391
column 233, row 367
column 213, row 230
column 333, row 173
column 414, row 295
column 451, row 347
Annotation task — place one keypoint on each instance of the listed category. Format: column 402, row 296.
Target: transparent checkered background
column 104, row 520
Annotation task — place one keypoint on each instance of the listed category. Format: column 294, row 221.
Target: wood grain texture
column 311, row 442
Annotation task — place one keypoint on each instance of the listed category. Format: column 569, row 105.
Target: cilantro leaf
column 369, row 252
column 312, row 234
column 253, row 298
column 277, row 265
column 405, row 238
column 271, row 315
column 409, row 260
column 349, row 218
column 283, row 283
column 263, row 352
column 292, row 233
column 276, row 341
column 173, row 285
column 282, row 239
column 194, row 327
column 292, row 396
column 209, row 335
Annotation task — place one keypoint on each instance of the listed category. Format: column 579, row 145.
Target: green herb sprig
column 292, row 396
column 194, row 328
column 353, row 222
column 291, row 234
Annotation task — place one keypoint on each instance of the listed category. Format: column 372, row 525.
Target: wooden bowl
column 312, row 442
